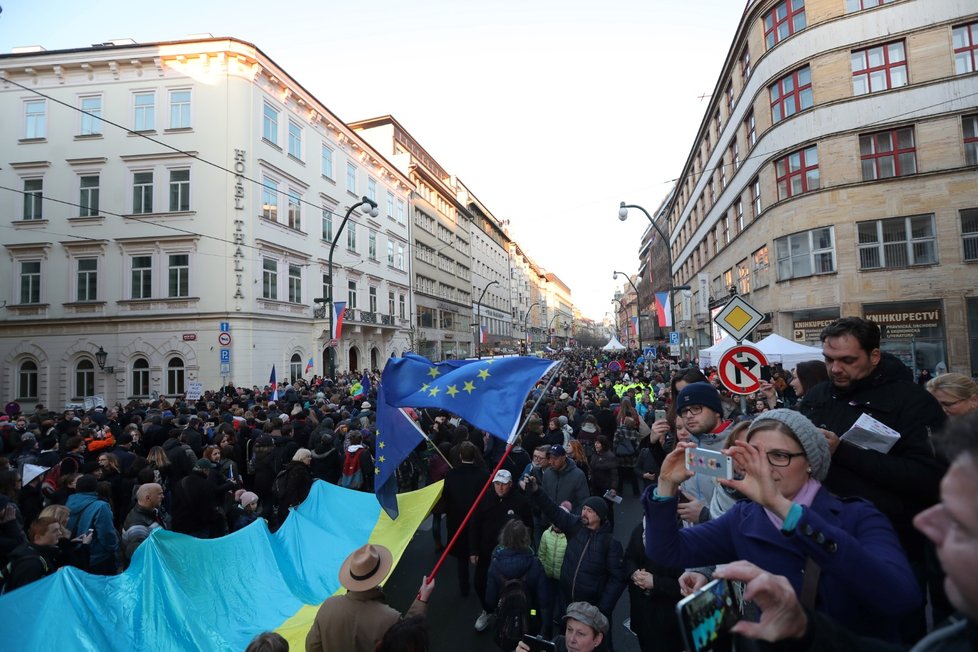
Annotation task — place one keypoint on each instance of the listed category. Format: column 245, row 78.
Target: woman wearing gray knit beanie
column 841, row 556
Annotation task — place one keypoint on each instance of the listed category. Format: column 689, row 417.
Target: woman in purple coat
column 843, row 553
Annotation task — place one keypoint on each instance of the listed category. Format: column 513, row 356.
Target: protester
column 142, row 519
column 513, row 559
column 563, row 480
column 957, row 394
column 88, row 513
column 462, row 486
column 585, row 628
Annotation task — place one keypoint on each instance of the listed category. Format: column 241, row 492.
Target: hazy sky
column 550, row 111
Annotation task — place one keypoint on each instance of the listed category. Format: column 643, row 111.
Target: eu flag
column 489, row 394
column 397, row 435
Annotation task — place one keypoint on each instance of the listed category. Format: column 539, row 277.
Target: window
column 750, row 126
column 858, row 5
column 739, row 207
column 969, row 233
column 142, row 192
column 400, row 257
column 372, row 244
column 390, row 253
column 179, row 191
column 174, row 376
column 755, row 198
column 91, row 119
column 725, row 229
column 390, row 204
column 327, row 224
column 745, row 64
column 326, row 161
column 401, row 306
column 295, row 284
column 759, row 263
column 139, row 377
column 144, row 111
column 84, row 379
column 180, row 109
column 783, row 20
column 887, row 154
column 400, row 211
column 791, row 94
column 295, row 140
column 351, row 236
column 735, row 154
column 897, row 242
column 142, row 277
column 294, row 211
column 88, row 196
column 390, row 303
column 30, row 281
column 372, row 298
column 351, row 178
column 806, row 253
column 718, row 122
column 27, row 380
column 730, row 100
column 879, row 68
column 269, row 279
column 178, row 275
column 351, row 294
column 87, row 279
column 35, row 119
column 269, row 199
column 797, row 172
column 743, row 277
column 965, row 39
column 295, row 367
column 371, row 189
column 33, row 199
column 969, row 124
column 269, row 124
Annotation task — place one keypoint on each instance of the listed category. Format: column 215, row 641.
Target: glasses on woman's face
column 782, row 458
column 692, row 409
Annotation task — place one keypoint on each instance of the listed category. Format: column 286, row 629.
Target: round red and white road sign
column 224, row 339
column 740, row 369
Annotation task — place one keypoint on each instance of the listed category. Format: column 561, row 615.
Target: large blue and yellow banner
column 182, row 593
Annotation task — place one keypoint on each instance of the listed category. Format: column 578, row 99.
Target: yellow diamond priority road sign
column 738, row 318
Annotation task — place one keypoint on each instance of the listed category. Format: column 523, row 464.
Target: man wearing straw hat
column 357, row 619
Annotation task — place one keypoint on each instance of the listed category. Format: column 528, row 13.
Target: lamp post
column 327, row 301
column 638, row 307
column 623, row 215
column 526, row 330
column 100, row 357
column 478, row 317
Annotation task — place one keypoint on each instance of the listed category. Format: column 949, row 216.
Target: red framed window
column 859, row 5
column 791, row 94
column 797, row 172
column 879, row 68
column 969, row 126
column 784, row 20
column 885, row 154
column 965, row 39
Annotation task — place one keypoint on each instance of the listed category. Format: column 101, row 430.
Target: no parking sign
column 740, row 369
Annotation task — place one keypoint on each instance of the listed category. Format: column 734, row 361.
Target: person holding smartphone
column 584, row 630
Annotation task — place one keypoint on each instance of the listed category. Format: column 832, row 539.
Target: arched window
column 27, row 380
column 174, row 377
column 140, row 377
column 84, row 379
column 295, row 367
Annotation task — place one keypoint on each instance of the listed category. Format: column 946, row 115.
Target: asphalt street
column 452, row 617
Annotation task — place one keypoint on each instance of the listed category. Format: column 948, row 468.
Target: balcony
column 355, row 316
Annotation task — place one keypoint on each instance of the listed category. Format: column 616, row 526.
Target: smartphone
column 539, row 644
column 766, row 373
column 660, row 415
column 705, row 618
column 707, row 462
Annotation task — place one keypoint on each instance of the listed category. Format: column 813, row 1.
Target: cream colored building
column 836, row 173
column 174, row 206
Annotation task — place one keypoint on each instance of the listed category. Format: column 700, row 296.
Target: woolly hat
column 700, row 393
column 247, row 497
column 811, row 438
column 206, row 464
column 598, row 505
column 86, row 483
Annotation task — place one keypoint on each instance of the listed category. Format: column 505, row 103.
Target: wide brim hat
column 366, row 567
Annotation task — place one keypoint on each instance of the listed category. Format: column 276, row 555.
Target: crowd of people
column 840, row 527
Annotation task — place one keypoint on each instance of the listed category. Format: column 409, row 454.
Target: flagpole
column 499, row 465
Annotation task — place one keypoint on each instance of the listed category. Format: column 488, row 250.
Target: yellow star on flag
column 381, row 459
column 452, row 390
column 484, row 374
column 376, row 470
column 424, row 388
column 469, row 386
column 381, row 444
column 434, row 391
column 433, row 372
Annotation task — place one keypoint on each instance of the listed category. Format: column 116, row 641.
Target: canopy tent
column 780, row 349
column 710, row 357
column 613, row 345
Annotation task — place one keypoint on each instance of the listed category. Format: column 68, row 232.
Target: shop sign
column 809, row 330
column 902, row 325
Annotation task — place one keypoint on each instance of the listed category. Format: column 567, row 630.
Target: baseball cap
column 556, row 451
column 503, row 476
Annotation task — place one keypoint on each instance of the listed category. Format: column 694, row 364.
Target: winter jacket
column 866, row 581
column 30, row 562
column 903, row 481
column 604, row 472
column 298, row 482
column 653, row 611
column 88, row 512
column 553, row 547
column 569, row 484
column 824, row 634
column 508, row 564
column 462, row 487
column 491, row 516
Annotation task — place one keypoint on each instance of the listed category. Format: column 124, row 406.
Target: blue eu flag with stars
column 489, row 393
column 397, row 435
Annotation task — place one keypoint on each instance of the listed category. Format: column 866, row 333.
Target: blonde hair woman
column 956, row 393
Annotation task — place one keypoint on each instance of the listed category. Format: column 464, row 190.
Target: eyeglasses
column 692, row 409
column 782, row 458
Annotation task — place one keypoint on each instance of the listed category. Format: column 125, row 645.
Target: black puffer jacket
column 905, row 480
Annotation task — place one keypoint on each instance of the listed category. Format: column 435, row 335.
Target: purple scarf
column 804, row 497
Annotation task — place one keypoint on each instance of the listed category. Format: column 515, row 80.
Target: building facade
column 834, row 174
column 178, row 203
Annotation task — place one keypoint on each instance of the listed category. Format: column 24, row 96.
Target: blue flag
column 489, row 394
column 365, row 384
column 397, row 435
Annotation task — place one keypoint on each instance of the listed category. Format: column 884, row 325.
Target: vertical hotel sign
column 239, row 170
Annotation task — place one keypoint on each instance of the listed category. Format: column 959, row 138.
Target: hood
column 79, row 501
column 567, row 467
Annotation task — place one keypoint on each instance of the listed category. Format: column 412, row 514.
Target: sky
column 550, row 111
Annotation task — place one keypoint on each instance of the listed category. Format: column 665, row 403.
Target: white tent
column 613, row 345
column 779, row 349
column 710, row 357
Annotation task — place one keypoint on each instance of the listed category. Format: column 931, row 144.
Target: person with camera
column 585, row 628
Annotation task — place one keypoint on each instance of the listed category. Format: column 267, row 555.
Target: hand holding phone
column 705, row 618
column 706, row 462
column 535, row 644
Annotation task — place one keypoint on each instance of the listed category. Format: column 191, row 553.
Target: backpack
column 280, row 484
column 352, row 476
column 512, row 614
column 49, row 485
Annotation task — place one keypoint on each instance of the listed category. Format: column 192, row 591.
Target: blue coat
column 508, row 564
column 866, row 582
column 88, row 512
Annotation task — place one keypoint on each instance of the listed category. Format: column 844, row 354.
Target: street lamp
column 638, row 306
column 478, row 317
column 100, row 357
column 526, row 319
column 371, row 210
column 623, row 215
